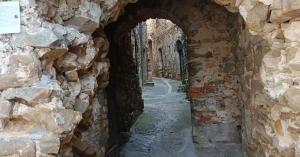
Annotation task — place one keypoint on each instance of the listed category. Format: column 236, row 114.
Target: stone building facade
column 243, row 58
column 139, row 38
column 169, row 54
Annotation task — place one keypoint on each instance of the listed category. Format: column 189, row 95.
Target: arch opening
column 243, row 75
column 211, row 69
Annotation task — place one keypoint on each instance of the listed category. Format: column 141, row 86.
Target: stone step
column 151, row 84
column 220, row 150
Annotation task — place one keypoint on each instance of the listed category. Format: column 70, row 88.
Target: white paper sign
column 10, row 17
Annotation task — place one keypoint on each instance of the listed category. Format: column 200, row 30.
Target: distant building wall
column 168, row 49
column 139, row 41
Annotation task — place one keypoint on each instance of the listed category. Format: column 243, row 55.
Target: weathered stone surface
column 102, row 68
column 72, row 75
column 291, row 31
column 17, row 147
column 6, row 108
column 277, row 16
column 293, row 97
column 88, row 84
column 38, row 103
column 55, row 120
column 54, row 53
column 215, row 133
column 103, row 45
column 48, row 145
column 88, row 55
column 3, row 123
column 73, row 3
column 75, row 38
column 23, row 71
column 82, row 103
column 67, row 62
column 37, row 93
column 254, row 14
column 284, row 10
column 88, row 18
column 72, row 90
column 36, row 37
column 294, row 64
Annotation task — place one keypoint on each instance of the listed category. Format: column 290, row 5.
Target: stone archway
column 210, row 31
column 74, row 64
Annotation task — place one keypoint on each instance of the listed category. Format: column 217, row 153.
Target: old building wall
column 54, row 73
column 166, row 56
column 53, row 78
column 139, row 38
column 128, row 74
column 269, row 57
column 255, row 102
column 124, row 90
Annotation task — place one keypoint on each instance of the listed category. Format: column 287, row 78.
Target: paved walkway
column 164, row 129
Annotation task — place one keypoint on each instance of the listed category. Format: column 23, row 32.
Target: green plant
column 184, row 87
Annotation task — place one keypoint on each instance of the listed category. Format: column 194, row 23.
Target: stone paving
column 164, row 129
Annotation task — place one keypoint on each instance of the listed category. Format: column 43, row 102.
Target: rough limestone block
column 278, row 17
column 67, row 62
column 89, row 55
column 291, row 8
column 292, row 96
column 254, row 14
column 266, row 2
column 55, row 120
column 37, row 93
column 294, row 64
column 73, row 3
column 297, row 148
column 82, row 103
column 72, row 75
column 23, row 70
column 65, row 120
column 89, row 18
column 53, row 53
column 2, row 123
column 102, row 67
column 5, row 109
column 75, row 38
column 285, row 145
column 48, row 145
column 37, row 37
column 17, row 147
column 291, row 31
column 88, row 84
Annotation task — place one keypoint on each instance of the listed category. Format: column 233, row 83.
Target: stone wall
column 168, row 45
column 124, row 90
column 139, row 39
column 270, row 87
column 53, row 75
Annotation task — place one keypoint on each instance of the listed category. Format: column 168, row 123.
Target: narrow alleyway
column 164, row 129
